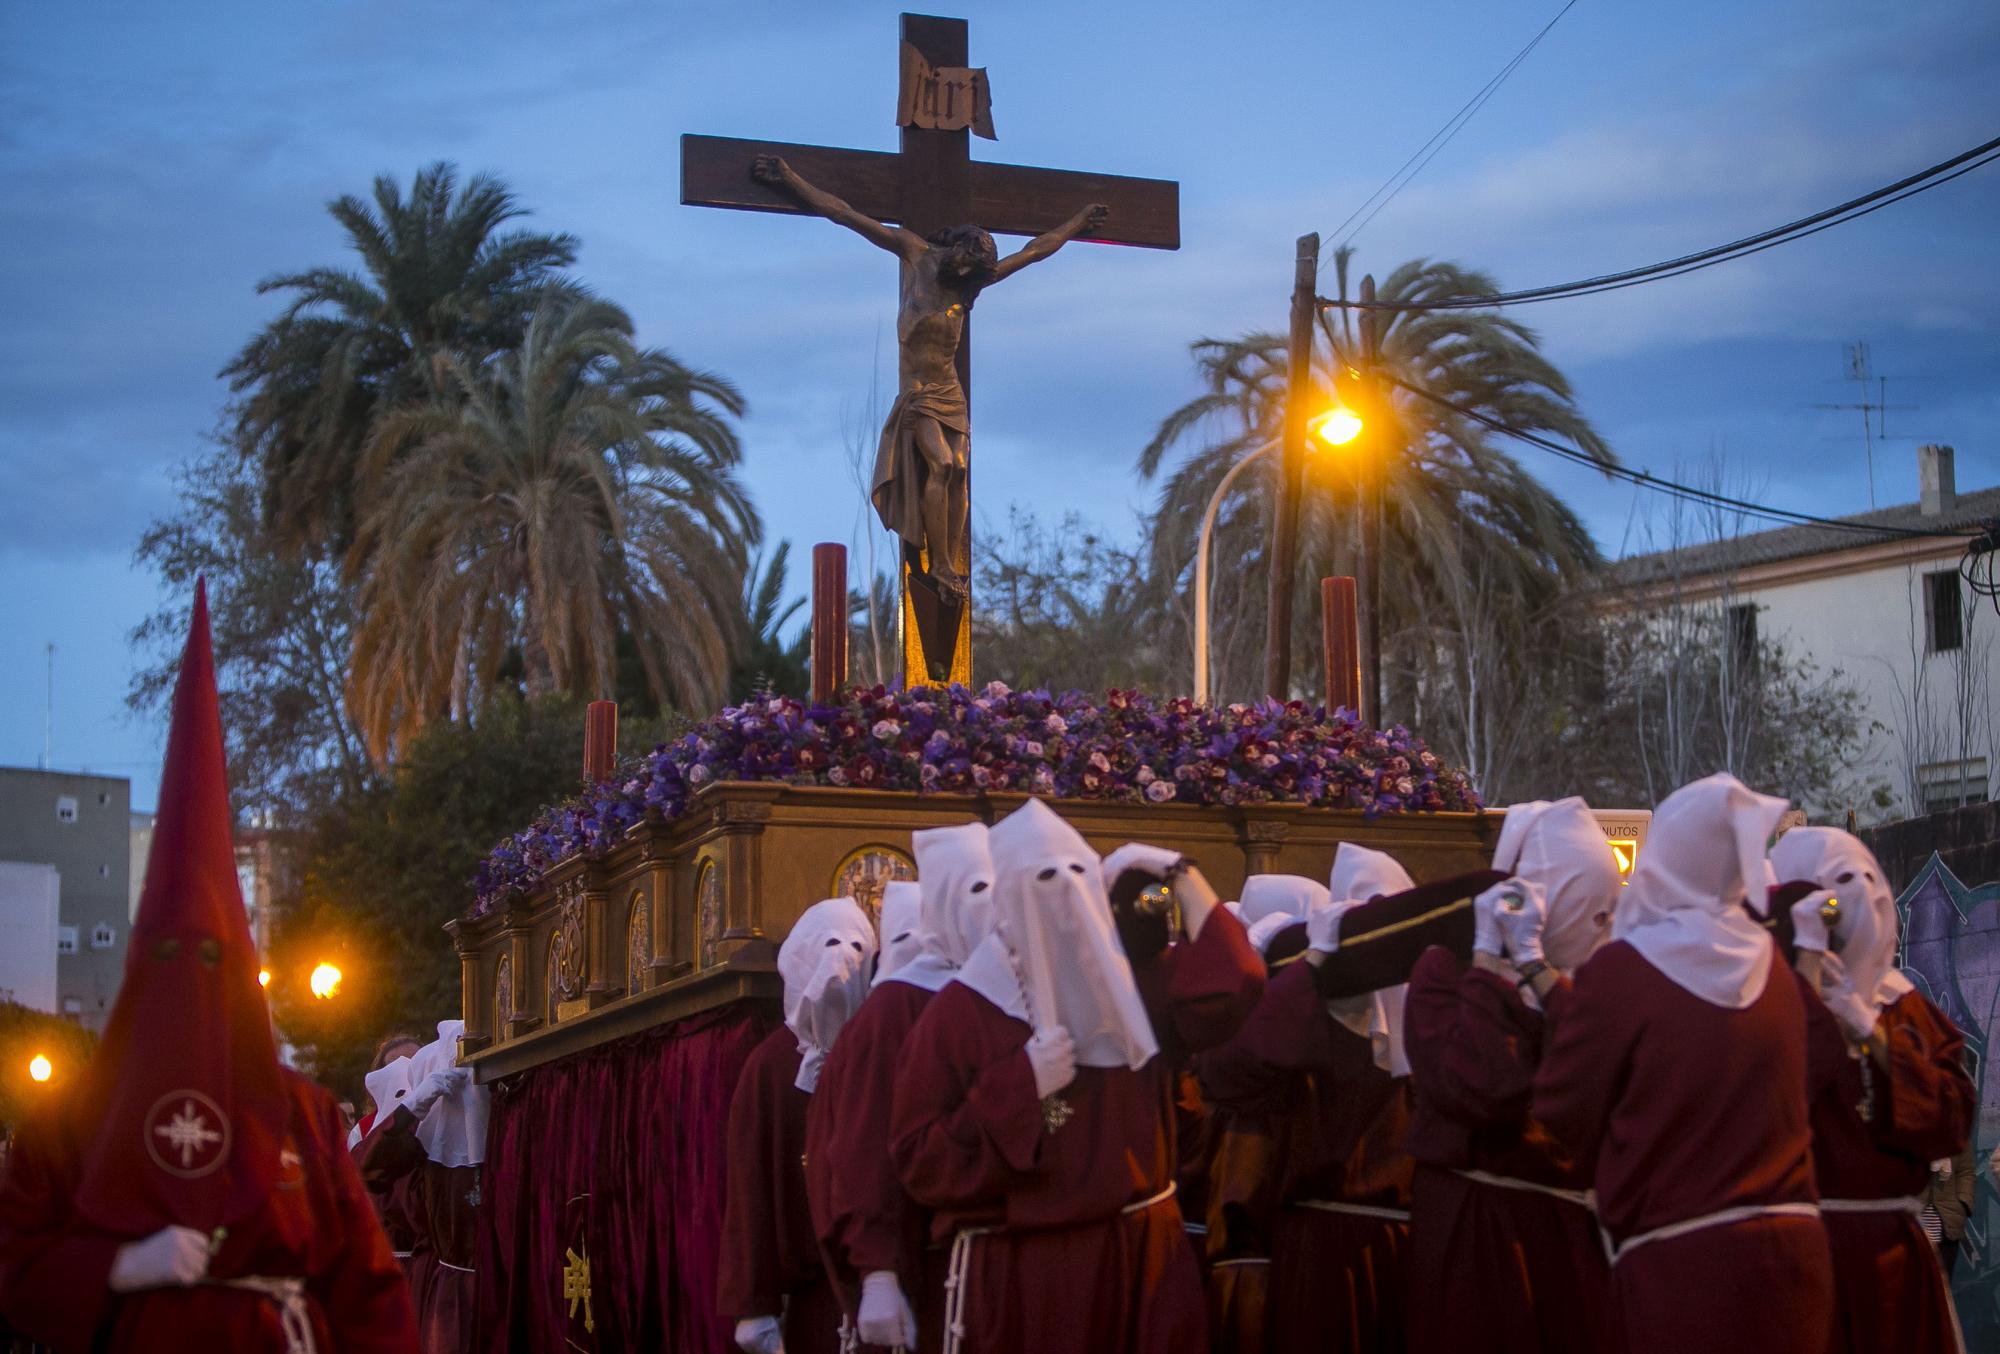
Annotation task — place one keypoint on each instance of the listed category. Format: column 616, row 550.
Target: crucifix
column 936, row 209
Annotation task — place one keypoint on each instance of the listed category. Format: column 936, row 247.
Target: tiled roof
column 1972, row 511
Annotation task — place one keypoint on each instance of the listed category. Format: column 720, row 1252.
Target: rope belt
column 955, row 1282
column 1355, row 1210
column 289, row 1296
column 1724, row 1218
column 1582, row 1198
column 460, row 1268
column 1241, row 1260
column 1908, row 1203
column 402, row 1255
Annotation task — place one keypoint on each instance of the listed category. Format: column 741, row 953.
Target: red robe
column 1687, row 1109
column 1065, row 1267
column 1337, row 1280
column 1889, row 1292
column 864, row 1218
column 317, row 1226
column 1494, row 1268
column 770, row 1264
column 437, row 1208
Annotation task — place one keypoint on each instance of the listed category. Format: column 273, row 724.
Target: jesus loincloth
column 900, row 467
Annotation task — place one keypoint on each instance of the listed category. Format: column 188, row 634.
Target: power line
column 1852, row 210
column 1439, row 140
column 1687, row 492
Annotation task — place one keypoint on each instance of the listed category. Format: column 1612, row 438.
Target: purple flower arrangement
column 954, row 740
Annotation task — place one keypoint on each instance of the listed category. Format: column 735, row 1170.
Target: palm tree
column 769, row 661
column 542, row 503
column 439, row 279
column 1458, row 507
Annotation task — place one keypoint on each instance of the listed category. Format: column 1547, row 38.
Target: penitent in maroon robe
column 436, row 1208
column 1068, row 1233
column 1689, row 1109
column 770, row 1263
column 864, row 1218
column 1510, row 1262
column 316, row 1225
column 1889, row 1292
column 1337, row 1277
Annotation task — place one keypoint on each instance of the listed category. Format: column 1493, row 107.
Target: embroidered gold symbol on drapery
column 576, row 1288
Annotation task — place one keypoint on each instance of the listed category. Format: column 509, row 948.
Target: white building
column 30, row 916
column 1891, row 612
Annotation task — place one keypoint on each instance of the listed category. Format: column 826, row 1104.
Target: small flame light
column 325, row 981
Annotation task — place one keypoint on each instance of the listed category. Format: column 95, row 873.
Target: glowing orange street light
column 40, row 1068
column 325, row 981
column 1336, row 427
column 263, row 977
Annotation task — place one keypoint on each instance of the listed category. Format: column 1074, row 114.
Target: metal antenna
column 1874, row 412
column 49, row 709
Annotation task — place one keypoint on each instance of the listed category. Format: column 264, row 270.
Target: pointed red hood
column 183, row 1108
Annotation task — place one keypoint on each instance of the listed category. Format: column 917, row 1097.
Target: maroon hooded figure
column 189, row 1192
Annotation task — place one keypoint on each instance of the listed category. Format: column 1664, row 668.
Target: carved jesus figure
column 919, row 486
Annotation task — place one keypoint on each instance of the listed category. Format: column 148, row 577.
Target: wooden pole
column 600, row 741
column 1341, row 638
column 1380, row 445
column 829, row 622
column 1291, row 477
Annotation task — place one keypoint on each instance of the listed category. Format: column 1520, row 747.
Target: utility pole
column 1371, row 470
column 1291, row 477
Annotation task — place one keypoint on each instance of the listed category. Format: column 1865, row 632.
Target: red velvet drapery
column 618, row 1154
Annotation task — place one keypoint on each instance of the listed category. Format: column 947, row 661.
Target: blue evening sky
column 156, row 161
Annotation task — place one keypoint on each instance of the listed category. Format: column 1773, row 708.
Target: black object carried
column 1381, row 939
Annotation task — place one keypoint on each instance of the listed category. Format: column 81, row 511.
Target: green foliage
column 439, row 278
column 23, row 1034
column 1063, row 608
column 769, row 662
column 381, row 873
column 280, row 624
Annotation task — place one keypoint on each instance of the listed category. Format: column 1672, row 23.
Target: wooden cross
column 930, row 184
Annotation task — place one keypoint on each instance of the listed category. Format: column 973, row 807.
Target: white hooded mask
column 824, row 961
column 1054, row 957
column 1359, row 875
column 1559, row 847
column 955, row 886
column 388, row 1086
column 902, row 938
column 1683, row 909
column 453, row 1132
column 1867, row 930
column 1271, row 902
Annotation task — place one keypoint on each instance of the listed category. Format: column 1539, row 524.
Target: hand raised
column 1094, row 217
column 770, row 169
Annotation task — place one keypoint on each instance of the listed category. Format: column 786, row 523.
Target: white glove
column 173, row 1257
column 1809, row 928
column 444, row 1082
column 760, row 1335
column 886, row 1319
column 1052, row 1053
column 1523, row 914
column 1855, row 1013
column 1323, row 925
column 1486, row 918
column 1156, row 862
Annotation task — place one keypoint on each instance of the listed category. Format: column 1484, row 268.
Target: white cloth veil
column 1684, row 911
column 1560, row 847
column 1359, row 874
column 900, row 928
column 955, row 886
column 1054, row 957
column 824, row 962
column 1838, row 861
column 453, row 1132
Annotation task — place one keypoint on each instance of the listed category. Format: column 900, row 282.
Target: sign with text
column 944, row 98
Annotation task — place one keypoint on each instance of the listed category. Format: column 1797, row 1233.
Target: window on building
column 104, row 799
column 1742, row 625
column 1947, row 785
column 1944, row 612
column 65, row 808
column 65, row 940
column 102, row 937
column 73, row 1008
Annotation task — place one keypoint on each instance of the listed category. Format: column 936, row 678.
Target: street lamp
column 1336, row 427
column 40, row 1068
column 263, row 977
column 325, row 981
